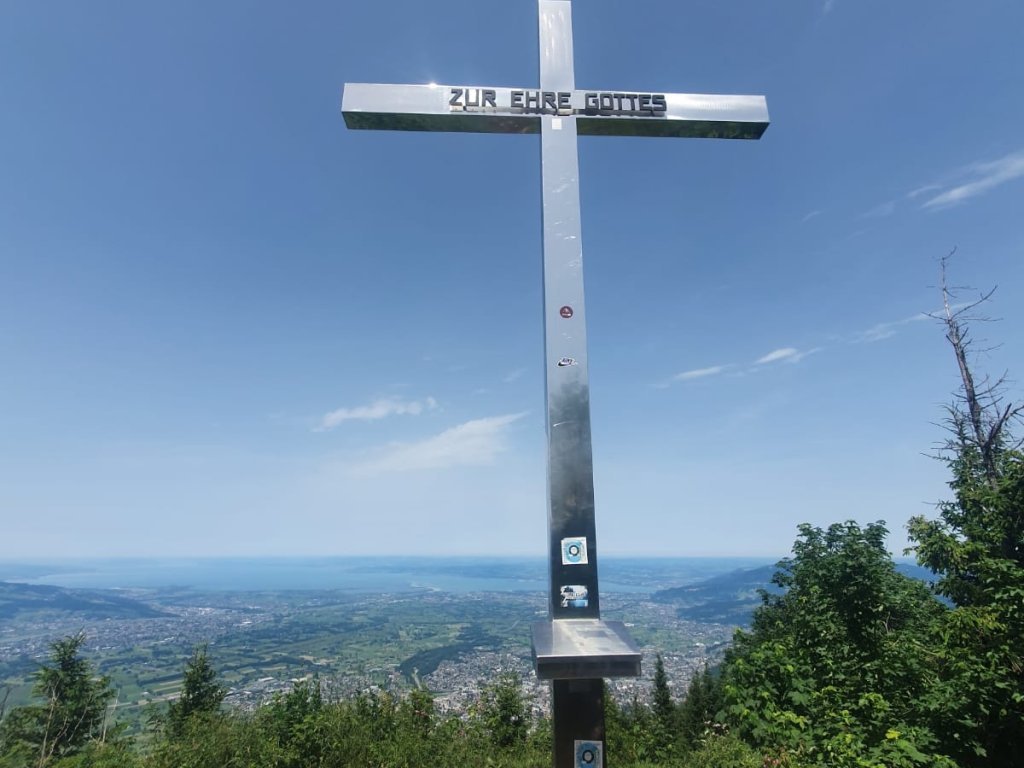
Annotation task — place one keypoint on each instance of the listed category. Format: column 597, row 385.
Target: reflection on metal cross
column 575, row 649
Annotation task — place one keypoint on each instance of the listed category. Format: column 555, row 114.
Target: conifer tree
column 73, row 711
column 504, row 713
column 200, row 694
column 664, row 711
column 664, row 708
column 698, row 710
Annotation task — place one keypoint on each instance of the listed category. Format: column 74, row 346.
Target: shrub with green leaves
column 835, row 669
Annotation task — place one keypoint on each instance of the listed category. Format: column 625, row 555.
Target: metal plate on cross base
column 575, row 649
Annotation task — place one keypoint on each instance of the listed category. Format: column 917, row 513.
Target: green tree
column 415, row 724
column 632, row 734
column 503, row 711
column 98, row 754
column 726, row 751
column 976, row 547
column 72, row 714
column 664, row 710
column 417, row 711
column 233, row 739
column 662, row 704
column 698, row 709
column 201, row 695
column 835, row 669
column 293, row 721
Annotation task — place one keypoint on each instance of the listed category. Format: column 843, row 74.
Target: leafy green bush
column 835, row 670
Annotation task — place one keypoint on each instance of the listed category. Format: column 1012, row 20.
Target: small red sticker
column 565, row 311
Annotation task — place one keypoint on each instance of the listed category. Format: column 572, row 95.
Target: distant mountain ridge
column 16, row 598
column 730, row 598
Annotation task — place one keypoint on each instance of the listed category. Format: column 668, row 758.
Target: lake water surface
column 362, row 574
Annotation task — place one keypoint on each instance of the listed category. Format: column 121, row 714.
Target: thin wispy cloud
column 880, row 211
column 786, row 353
column 916, row 193
column 829, row 5
column 889, row 329
column 982, row 177
column 513, row 375
column 379, row 409
column 793, row 355
column 886, row 330
column 699, row 373
column 472, row 443
column 810, row 216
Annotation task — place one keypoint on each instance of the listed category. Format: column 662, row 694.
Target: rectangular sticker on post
column 574, row 550
column 589, row 754
column 574, row 596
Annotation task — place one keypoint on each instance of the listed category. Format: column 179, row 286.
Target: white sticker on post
column 574, row 550
column 589, row 754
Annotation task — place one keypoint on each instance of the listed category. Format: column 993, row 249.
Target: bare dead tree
column 980, row 417
column 109, row 715
column 46, row 746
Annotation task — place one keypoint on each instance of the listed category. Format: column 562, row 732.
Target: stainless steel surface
column 555, row 34
column 574, row 653
column 572, row 649
column 426, row 108
column 570, row 467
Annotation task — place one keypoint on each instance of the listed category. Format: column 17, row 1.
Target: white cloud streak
column 877, row 332
column 986, row 176
column 473, row 443
column 915, row 193
column 786, row 353
column 881, row 211
column 379, row 409
column 885, row 330
column 699, row 373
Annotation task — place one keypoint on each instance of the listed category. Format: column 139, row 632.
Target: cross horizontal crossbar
column 471, row 109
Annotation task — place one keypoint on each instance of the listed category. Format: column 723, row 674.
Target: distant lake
column 362, row 574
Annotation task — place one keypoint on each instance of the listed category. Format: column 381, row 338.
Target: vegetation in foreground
column 850, row 665
column 378, row 729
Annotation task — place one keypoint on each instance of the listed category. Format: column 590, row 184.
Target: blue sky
column 230, row 326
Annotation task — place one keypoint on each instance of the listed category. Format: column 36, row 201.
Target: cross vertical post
column 577, row 705
column 575, row 649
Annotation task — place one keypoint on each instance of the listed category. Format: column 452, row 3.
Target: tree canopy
column 72, row 711
column 201, row 695
column 976, row 548
column 834, row 667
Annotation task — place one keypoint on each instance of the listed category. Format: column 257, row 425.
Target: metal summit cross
column 575, row 649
